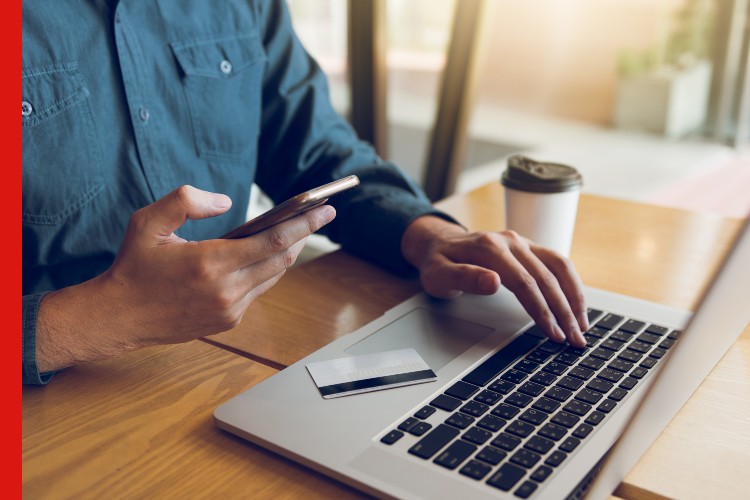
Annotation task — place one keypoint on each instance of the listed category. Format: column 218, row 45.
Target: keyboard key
column 502, row 359
column 600, row 385
column 492, row 423
column 525, row 458
column 475, row 470
column 632, row 326
column 581, row 372
column 583, row 431
column 533, row 417
column 630, row 356
column 629, row 383
column 658, row 353
column 407, row 424
column 570, row 444
column 558, row 393
column 571, row 383
column 649, row 338
column 639, row 346
column 546, row 405
column 576, row 351
column 539, row 444
column 577, row 408
column 620, row 365
column 462, row 390
column 611, row 375
column 556, row 458
column 514, row 376
column 506, row 476
column 532, row 388
column 538, row 356
column 674, row 335
column 544, row 378
column 567, row 358
column 505, row 411
column 446, row 403
column 502, row 386
column 506, row 442
column 474, row 408
column 593, row 314
column 565, row 419
column 551, row 347
column 519, row 399
column 589, row 396
column 477, row 435
column 621, row 336
column 491, row 455
column 555, row 368
column 433, row 441
column 526, row 366
column 649, row 363
column 526, row 489
column 392, row 437
column 541, row 473
column 597, row 332
column 657, row 330
column 612, row 344
column 425, row 412
column 593, row 363
column 609, row 321
column 488, row 397
column 666, row 343
column 455, row 454
column 639, row 372
column 553, row 432
column 602, row 353
column 595, row 418
column 607, row 405
column 618, row 394
column 420, row 428
column 591, row 340
column 520, row 429
column 459, row 420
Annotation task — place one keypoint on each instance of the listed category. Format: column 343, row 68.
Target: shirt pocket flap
column 50, row 90
column 218, row 57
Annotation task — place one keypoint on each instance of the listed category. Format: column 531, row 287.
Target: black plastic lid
column 525, row 174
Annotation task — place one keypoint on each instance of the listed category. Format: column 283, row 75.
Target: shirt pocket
column 61, row 155
column 222, row 83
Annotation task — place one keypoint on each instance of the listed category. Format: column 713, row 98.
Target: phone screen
column 293, row 207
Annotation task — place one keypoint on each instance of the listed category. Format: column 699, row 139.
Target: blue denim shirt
column 125, row 101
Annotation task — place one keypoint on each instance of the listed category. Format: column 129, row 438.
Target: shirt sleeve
column 305, row 143
column 30, row 371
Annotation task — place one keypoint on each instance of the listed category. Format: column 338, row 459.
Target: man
column 144, row 120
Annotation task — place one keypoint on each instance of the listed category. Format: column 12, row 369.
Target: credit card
column 370, row 372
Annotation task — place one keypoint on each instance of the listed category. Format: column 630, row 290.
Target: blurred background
column 648, row 98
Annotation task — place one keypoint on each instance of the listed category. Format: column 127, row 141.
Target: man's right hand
column 163, row 289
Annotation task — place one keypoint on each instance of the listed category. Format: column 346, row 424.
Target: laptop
column 508, row 413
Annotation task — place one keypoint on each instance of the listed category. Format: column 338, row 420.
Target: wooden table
column 140, row 425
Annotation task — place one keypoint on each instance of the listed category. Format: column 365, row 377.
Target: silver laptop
column 511, row 413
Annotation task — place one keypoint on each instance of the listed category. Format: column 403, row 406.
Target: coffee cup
column 541, row 201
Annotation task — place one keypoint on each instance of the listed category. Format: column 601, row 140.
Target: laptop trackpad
column 436, row 337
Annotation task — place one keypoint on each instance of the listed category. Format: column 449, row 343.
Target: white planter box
column 672, row 103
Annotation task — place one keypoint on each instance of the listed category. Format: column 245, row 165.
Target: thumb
column 167, row 214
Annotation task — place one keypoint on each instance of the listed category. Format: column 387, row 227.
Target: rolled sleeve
column 30, row 371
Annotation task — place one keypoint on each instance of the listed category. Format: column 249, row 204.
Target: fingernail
column 329, row 213
column 221, row 201
column 487, row 283
column 559, row 335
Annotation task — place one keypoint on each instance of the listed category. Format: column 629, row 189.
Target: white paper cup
column 541, row 201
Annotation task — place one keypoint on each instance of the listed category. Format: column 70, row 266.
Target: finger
column 569, row 281
column 553, row 294
column 252, row 276
column 167, row 214
column 446, row 279
column 279, row 237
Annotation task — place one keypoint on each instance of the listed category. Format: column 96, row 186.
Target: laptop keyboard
column 517, row 416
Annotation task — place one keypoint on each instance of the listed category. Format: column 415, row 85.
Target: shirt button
column 144, row 114
column 225, row 67
column 26, row 108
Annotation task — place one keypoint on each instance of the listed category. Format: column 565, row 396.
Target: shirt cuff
column 30, row 371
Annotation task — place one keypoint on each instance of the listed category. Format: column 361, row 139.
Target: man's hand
column 163, row 289
column 451, row 261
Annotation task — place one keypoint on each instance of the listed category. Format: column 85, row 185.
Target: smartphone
column 293, row 207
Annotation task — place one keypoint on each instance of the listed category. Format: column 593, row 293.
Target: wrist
column 423, row 233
